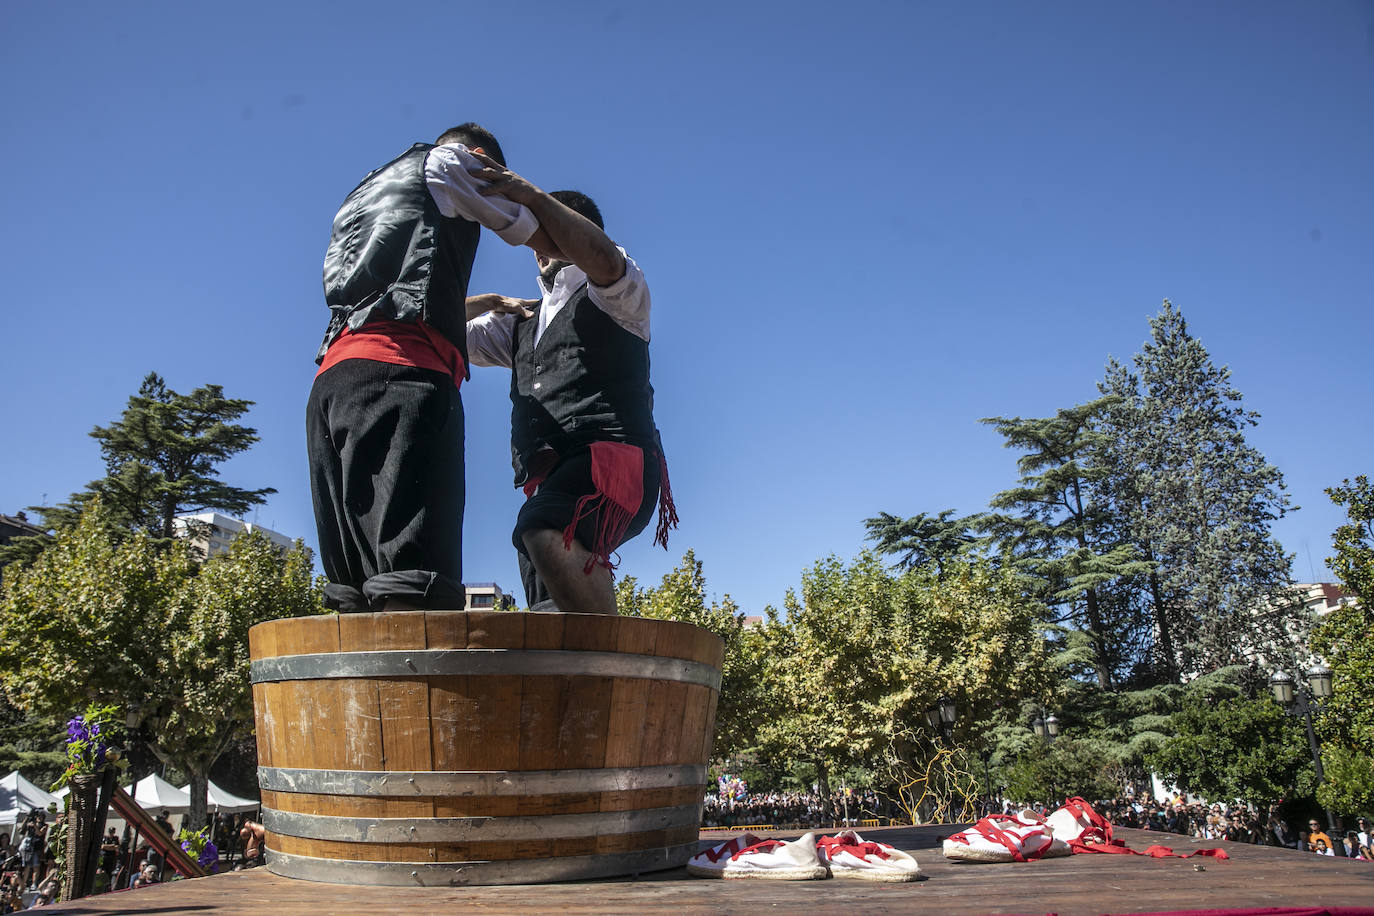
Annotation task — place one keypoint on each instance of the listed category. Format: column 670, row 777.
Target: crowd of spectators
column 1236, row 823
column 792, row 810
column 28, row 858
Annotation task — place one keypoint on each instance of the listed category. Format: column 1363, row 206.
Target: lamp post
column 942, row 716
column 1303, row 701
column 1045, row 727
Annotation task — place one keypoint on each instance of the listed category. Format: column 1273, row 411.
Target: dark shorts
column 554, row 505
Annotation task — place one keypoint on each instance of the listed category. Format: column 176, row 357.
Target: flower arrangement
column 88, row 749
column 197, row 845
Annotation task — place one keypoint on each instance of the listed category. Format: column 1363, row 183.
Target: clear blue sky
column 865, row 226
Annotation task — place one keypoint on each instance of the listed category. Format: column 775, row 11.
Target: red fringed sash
column 618, row 478
column 618, row 481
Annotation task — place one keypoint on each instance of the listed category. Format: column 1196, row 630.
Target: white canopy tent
column 153, row 793
column 18, row 797
column 219, row 801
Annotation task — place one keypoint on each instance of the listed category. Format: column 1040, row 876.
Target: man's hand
column 563, row 233
column 501, row 305
column 501, row 180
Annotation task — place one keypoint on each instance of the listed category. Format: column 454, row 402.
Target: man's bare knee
column 573, row 579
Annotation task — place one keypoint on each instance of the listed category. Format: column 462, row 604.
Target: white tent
column 221, row 802
column 18, row 797
column 153, row 793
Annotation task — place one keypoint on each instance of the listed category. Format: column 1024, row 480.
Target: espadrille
column 1004, row 838
column 748, row 856
column 849, row 855
column 1076, row 823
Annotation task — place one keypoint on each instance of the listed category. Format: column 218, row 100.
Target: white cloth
column 626, row 301
column 447, row 173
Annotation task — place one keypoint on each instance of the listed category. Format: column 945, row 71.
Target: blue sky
column 865, row 226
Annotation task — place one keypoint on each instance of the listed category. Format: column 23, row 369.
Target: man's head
column 473, row 136
column 580, row 204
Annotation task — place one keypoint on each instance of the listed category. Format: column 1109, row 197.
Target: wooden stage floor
column 1081, row 885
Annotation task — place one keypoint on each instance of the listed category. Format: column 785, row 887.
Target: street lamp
column 1302, row 702
column 1045, row 726
column 942, row 716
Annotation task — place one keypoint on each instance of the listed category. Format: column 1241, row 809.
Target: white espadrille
column 1004, row 838
column 849, row 855
column 748, row 856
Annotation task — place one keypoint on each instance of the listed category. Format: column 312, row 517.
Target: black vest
column 394, row 256
column 587, row 381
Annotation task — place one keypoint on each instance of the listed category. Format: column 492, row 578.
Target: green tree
column 1235, row 749
column 1354, row 541
column 1054, row 771
column 923, row 540
column 1345, row 638
column 859, row 655
column 1058, row 534
column 681, row 596
column 105, row 616
column 32, row 744
column 161, row 459
column 1197, row 502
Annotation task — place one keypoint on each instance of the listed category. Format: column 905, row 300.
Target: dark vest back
column 393, row 255
column 587, row 381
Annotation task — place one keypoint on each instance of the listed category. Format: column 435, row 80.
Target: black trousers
column 385, row 445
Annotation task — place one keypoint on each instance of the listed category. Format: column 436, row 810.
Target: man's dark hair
column 580, row 203
column 472, row 135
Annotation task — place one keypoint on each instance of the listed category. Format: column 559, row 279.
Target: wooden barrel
column 449, row 748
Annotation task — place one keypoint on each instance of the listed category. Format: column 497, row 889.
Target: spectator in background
column 1315, row 836
column 163, row 821
column 1352, row 844
column 1279, row 833
column 11, row 894
column 49, row 886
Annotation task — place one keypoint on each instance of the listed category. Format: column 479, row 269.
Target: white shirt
column 458, row 194
column 626, row 301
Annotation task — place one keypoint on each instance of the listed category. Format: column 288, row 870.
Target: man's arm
column 449, row 175
column 491, row 327
column 580, row 240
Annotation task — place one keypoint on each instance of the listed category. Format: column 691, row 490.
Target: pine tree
column 1058, row 533
column 161, row 459
column 1196, row 502
column 923, row 540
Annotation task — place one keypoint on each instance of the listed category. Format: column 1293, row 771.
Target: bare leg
column 561, row 568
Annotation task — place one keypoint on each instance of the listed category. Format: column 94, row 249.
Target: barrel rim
column 476, row 783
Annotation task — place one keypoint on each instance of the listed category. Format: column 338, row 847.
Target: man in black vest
column 583, row 439
column 385, row 420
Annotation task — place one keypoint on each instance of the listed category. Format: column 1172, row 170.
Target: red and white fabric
column 1085, row 830
column 1006, row 838
column 749, row 856
column 849, row 855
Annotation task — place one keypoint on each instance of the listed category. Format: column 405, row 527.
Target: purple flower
column 76, row 730
column 209, row 857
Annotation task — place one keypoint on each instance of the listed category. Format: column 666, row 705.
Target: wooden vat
column 448, row 748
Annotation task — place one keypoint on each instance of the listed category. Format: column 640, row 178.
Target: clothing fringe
column 667, row 510
column 618, row 476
